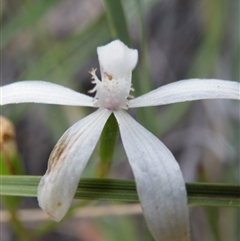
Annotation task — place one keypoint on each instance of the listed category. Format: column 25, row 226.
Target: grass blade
column 202, row 194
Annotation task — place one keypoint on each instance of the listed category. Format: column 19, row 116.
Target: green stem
column 117, row 20
column 202, row 194
column 107, row 144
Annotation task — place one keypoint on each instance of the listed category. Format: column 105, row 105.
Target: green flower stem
column 107, row 144
column 117, row 20
column 202, row 194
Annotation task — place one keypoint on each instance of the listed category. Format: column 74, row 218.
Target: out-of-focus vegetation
column 56, row 41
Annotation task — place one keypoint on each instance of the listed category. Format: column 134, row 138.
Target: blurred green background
column 56, row 41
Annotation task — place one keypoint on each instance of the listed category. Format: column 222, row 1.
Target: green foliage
column 204, row 194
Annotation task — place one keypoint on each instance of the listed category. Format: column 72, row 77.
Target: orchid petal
column 187, row 90
column 160, row 185
column 42, row 92
column 67, row 162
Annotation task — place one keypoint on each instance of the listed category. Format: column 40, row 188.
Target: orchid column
column 160, row 185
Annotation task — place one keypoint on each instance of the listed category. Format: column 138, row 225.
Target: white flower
column 159, row 181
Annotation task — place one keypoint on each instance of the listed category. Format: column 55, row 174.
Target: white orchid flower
column 160, row 185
